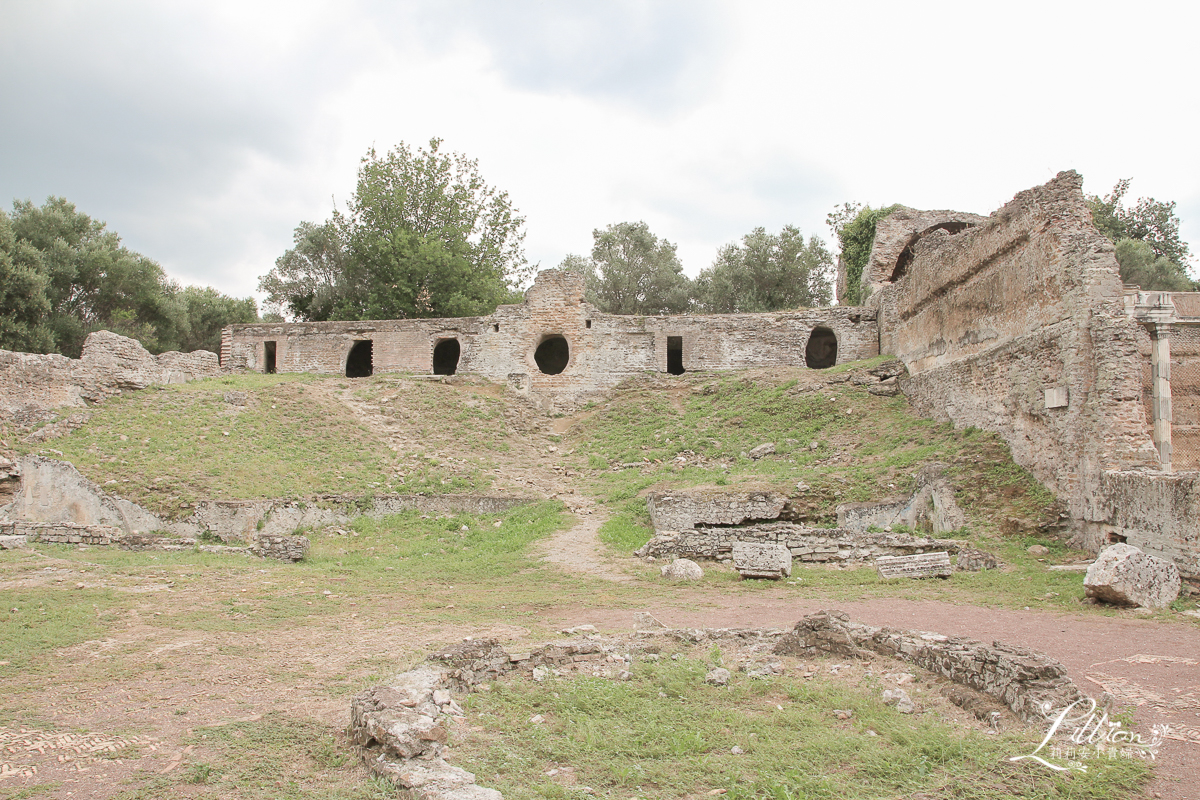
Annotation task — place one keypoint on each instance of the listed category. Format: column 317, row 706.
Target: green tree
column 1149, row 250
column 854, row 226
column 767, row 272
column 632, row 271
column 24, row 304
column 208, row 311
column 64, row 275
column 94, row 282
column 425, row 236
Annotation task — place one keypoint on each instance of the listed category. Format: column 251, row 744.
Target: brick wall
column 605, row 349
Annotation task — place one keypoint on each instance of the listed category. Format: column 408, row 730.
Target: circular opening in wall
column 552, row 355
column 821, row 352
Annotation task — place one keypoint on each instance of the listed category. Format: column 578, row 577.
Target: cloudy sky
column 203, row 132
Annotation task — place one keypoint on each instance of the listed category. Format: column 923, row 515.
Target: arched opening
column 906, row 255
column 821, row 352
column 359, row 363
column 552, row 355
column 675, row 355
column 445, row 357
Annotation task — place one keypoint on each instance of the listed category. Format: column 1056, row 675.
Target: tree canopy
column 767, row 272
column 64, row 275
column 632, row 271
column 424, row 236
column 1146, row 236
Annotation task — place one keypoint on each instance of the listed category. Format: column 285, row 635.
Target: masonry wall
column 605, row 349
column 1017, row 325
column 32, row 385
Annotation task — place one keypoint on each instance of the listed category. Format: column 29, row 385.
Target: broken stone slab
column 682, row 569
column 645, row 621
column 718, row 677
column 888, row 387
column 971, row 560
column 13, row 542
column 1124, row 575
column 432, row 780
column 762, row 560
column 922, row 565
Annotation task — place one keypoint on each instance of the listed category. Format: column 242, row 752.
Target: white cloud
column 204, row 132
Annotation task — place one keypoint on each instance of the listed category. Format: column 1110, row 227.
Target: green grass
column 666, row 734
column 834, row 438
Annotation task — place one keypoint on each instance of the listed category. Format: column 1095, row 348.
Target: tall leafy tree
column 64, row 275
column 632, row 271
column 24, row 304
column 424, row 236
column 1149, row 249
column 767, row 272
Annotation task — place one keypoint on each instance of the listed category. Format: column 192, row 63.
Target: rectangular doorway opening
column 675, row 355
column 360, row 361
column 269, row 358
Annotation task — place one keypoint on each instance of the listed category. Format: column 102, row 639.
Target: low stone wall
column 54, row 492
column 812, row 545
column 32, row 385
column 1028, row 682
column 21, row 534
column 672, row 511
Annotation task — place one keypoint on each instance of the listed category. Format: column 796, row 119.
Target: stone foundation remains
column 1028, row 682
column 707, row 524
column 401, row 727
column 54, row 496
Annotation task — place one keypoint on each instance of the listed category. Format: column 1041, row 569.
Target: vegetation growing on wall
column 854, row 227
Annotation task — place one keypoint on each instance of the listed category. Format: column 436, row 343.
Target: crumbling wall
column 32, row 386
column 1030, row 683
column 55, row 493
column 604, row 349
column 1017, row 326
column 897, row 235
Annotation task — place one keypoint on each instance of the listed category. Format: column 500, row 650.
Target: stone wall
column 32, row 386
column 604, row 349
column 54, row 492
column 1028, row 682
column 1017, row 325
column 706, row 524
column 21, row 533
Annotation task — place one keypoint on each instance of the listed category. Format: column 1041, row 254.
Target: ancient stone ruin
column 402, row 726
column 1015, row 323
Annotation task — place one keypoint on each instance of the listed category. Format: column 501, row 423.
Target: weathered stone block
column 682, row 569
column 922, row 565
column 762, row 560
column 1124, row 575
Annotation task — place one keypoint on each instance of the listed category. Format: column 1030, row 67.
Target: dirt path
column 578, row 548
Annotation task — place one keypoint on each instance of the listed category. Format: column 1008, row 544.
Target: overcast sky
column 203, row 132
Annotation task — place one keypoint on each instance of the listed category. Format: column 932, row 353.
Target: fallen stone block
column 1124, row 575
column 682, row 569
column 922, row 565
column 764, row 449
column 762, row 560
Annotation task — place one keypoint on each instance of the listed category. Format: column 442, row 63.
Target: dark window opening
column 588, row 323
column 269, row 358
column 821, row 352
column 552, row 355
column 675, row 355
column 445, row 357
column 906, row 255
column 359, row 363
column 496, row 327
column 1116, row 538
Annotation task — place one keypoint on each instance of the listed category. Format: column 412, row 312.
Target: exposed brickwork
column 605, row 349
